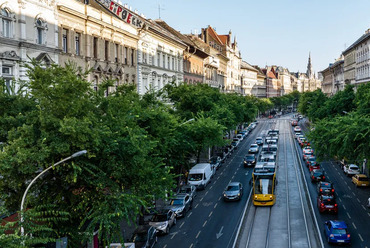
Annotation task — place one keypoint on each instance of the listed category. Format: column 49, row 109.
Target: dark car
column 163, row 220
column 259, row 141
column 336, row 231
column 144, row 236
column 181, row 204
column 311, row 160
column 215, row 161
column 317, row 175
column 327, row 203
column 233, row 191
column 189, row 189
column 249, row 160
column 325, row 188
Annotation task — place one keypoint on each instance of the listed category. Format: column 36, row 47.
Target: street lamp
column 77, row 154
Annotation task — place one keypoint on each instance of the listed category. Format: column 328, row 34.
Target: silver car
column 233, row 191
column 254, row 148
column 163, row 220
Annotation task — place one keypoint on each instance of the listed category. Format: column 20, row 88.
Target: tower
column 309, row 67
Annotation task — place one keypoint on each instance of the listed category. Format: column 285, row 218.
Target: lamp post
column 77, row 154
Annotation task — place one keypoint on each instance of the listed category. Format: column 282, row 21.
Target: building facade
column 349, row 65
column 94, row 38
column 333, row 77
column 362, row 53
column 29, row 29
column 249, row 81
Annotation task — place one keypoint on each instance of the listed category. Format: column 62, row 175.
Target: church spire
column 309, row 67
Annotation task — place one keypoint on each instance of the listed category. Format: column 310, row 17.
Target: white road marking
column 210, row 214
column 219, row 198
column 190, row 214
column 344, row 207
column 340, row 199
column 204, row 223
column 197, row 235
column 206, row 193
column 363, row 207
column 354, row 225
column 215, row 205
column 349, row 216
column 358, row 200
column 201, row 199
column 349, row 187
column 361, row 237
column 173, row 235
column 353, row 192
column 211, row 187
column 232, row 177
column 346, row 183
column 164, row 246
column 235, row 173
column 196, row 205
column 222, row 173
column 182, row 224
column 368, row 214
column 191, row 246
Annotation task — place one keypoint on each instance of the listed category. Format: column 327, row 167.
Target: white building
column 28, row 29
column 248, row 79
column 159, row 58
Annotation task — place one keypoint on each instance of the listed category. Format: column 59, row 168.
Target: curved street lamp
column 77, row 154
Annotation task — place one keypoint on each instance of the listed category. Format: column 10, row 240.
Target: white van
column 200, row 175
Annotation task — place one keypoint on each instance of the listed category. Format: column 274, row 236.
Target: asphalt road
column 351, row 202
column 213, row 222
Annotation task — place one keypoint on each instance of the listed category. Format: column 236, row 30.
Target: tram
column 264, row 180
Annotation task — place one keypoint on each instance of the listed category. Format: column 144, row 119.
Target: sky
column 271, row 32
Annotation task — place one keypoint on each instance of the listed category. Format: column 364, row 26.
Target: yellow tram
column 264, row 180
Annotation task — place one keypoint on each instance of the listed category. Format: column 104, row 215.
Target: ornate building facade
column 29, row 29
column 249, row 82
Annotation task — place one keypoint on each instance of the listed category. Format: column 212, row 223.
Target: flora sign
column 123, row 13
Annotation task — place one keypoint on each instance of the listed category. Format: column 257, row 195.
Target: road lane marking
column 201, row 199
column 204, row 223
column 354, row 225
column 349, row 216
column 211, row 187
column 190, row 214
column 219, row 198
column 173, row 235
column 198, row 235
column 363, row 207
column 222, row 173
column 340, row 199
column 344, row 207
column 235, row 173
column 368, row 214
column 215, row 205
column 210, row 214
column 191, row 246
column 346, row 183
column 353, row 192
column 358, row 200
column 182, row 224
column 361, row 237
column 233, row 177
column 349, row 187
column 165, row 246
column 196, row 205
column 206, row 193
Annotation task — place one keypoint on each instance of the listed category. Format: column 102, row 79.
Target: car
column 307, row 153
column 163, row 220
column 314, row 166
column 259, row 141
column 215, row 161
column 317, row 175
column 144, row 236
column 271, row 142
column 235, row 144
column 254, row 148
column 327, row 203
column 311, row 160
column 294, row 123
column 180, row 204
column 236, row 141
column 233, row 191
column 297, row 129
column 267, row 157
column 325, row 188
column 351, row 170
column 239, row 136
column 361, row 180
column 336, row 231
column 189, row 189
column 249, row 160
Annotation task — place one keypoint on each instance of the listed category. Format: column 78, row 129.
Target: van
column 200, row 175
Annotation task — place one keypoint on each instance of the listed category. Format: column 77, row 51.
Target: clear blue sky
column 273, row 32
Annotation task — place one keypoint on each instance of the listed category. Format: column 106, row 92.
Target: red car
column 327, row 203
column 310, row 160
column 294, row 123
column 312, row 167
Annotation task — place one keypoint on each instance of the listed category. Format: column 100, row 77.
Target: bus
column 264, row 181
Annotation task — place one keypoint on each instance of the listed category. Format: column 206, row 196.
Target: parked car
column 233, row 191
column 236, row 141
column 307, row 153
column 297, row 129
column 317, row 175
column 254, row 148
column 215, row 161
column 180, row 204
column 314, row 166
column 249, row 160
column 259, row 141
column 351, row 169
column 336, row 231
column 240, row 136
column 189, row 189
column 163, row 220
column 361, row 180
column 144, row 236
column 327, row 203
column 325, row 188
column 294, row 123
column 311, row 160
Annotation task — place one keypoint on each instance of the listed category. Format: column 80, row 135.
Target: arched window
column 6, row 23
column 40, row 31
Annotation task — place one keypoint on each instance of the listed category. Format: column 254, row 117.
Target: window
column 96, row 80
column 40, row 29
column 77, row 43
column 126, row 54
column 116, row 53
column 132, row 56
column 106, row 50
column 173, row 63
column 65, row 40
column 7, row 23
column 164, row 60
column 7, row 75
column 168, row 62
column 95, row 47
column 158, row 59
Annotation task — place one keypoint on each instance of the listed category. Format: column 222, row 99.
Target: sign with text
column 123, row 13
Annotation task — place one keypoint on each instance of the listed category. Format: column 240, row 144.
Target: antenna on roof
column 159, row 10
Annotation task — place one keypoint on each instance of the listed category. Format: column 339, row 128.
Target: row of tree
column 136, row 146
column 341, row 123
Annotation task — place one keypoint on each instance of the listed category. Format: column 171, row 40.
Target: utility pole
column 159, row 10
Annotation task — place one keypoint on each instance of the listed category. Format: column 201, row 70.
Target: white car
column 351, row 170
column 297, row 129
column 254, row 148
column 240, row 136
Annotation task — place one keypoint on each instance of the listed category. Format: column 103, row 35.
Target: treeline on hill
column 341, row 123
column 136, row 147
